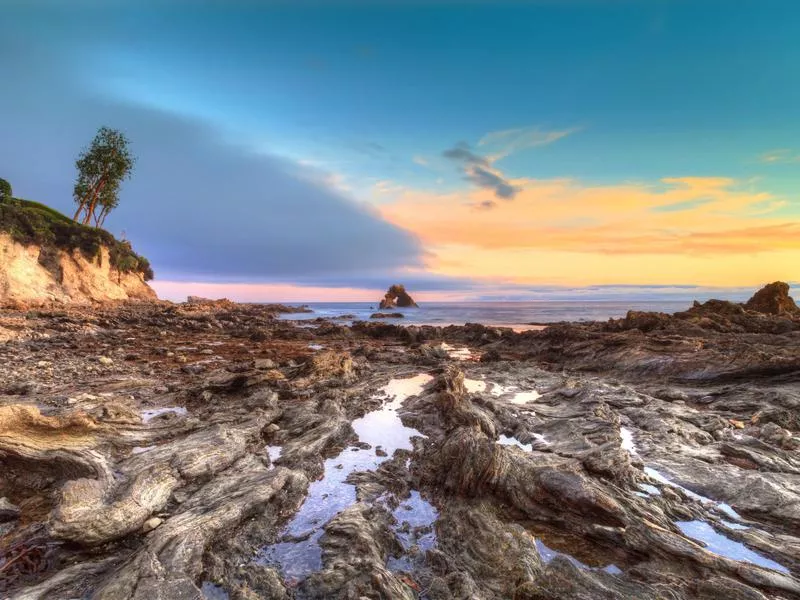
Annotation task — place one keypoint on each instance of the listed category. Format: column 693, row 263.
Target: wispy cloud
column 420, row 160
column 500, row 144
column 479, row 166
column 478, row 170
column 781, row 156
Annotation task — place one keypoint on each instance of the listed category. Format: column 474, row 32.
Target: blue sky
column 355, row 104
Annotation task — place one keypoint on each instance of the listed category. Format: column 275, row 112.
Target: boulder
column 773, row 299
column 380, row 315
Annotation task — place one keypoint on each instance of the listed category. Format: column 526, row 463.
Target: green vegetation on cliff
column 34, row 223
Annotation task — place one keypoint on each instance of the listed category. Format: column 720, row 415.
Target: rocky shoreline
column 211, row 450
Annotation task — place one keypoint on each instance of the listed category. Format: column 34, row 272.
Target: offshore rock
column 773, row 299
column 397, row 296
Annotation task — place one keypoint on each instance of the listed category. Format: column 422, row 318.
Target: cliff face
column 32, row 274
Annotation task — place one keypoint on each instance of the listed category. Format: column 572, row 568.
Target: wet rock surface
column 222, row 453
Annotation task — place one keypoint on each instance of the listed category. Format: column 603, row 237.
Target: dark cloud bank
column 197, row 206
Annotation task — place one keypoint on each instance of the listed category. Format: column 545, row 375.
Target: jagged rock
column 397, row 296
column 355, row 547
column 8, row 511
column 773, row 299
column 380, row 315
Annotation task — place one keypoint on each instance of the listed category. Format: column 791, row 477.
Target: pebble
column 151, row 523
column 104, row 360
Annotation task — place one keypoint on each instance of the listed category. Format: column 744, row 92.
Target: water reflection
column 719, row 544
column 148, row 415
column 298, row 553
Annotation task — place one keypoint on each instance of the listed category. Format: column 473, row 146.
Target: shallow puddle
column 274, row 453
column 547, row 554
column 462, row 353
column 627, row 440
column 212, row 591
column 506, row 440
column 298, row 554
column 477, row 386
column 524, row 397
column 415, row 518
column 148, row 415
column 722, row 506
column 719, row 544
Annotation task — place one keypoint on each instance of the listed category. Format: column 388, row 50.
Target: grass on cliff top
column 30, row 222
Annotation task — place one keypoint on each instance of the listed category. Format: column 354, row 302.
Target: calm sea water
column 513, row 314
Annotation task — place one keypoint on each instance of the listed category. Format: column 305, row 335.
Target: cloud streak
column 783, row 156
column 479, row 169
column 500, row 144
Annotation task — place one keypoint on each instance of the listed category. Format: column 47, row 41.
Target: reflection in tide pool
column 211, row 591
column 524, row 397
column 627, row 440
column 724, row 546
column 462, row 353
column 477, row 386
column 661, row 478
column 547, row 554
column 274, row 453
column 148, row 415
column 415, row 517
column 506, row 440
column 298, row 553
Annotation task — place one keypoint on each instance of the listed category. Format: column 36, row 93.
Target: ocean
column 511, row 314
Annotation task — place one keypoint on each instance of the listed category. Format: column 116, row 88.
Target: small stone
column 207, row 351
column 151, row 523
column 43, row 364
column 8, row 511
column 379, row 451
column 272, row 428
column 206, row 396
column 104, row 360
column 264, row 364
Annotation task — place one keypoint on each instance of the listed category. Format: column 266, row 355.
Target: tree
column 5, row 190
column 102, row 168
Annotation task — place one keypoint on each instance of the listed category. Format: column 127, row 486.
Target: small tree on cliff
column 102, row 168
column 5, row 190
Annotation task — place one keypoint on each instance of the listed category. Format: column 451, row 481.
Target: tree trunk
column 102, row 218
column 93, row 203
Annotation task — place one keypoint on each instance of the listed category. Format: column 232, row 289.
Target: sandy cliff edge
column 34, row 275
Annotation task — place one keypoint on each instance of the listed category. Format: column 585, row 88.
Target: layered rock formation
column 396, row 296
column 212, row 449
column 33, row 274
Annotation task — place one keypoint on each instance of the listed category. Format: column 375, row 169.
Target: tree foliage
column 5, row 190
column 102, row 168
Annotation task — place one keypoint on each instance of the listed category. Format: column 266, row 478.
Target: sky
column 311, row 150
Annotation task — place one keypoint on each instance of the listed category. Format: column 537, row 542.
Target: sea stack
column 773, row 299
column 397, row 297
